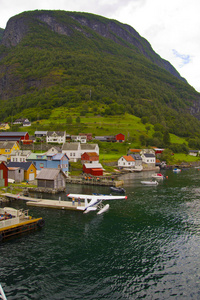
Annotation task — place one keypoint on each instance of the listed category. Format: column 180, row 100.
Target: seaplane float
column 94, row 202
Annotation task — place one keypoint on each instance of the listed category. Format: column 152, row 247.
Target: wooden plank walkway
column 59, row 204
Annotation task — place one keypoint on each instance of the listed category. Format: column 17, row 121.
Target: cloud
column 185, row 58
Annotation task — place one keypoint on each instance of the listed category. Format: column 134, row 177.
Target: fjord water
column 145, row 247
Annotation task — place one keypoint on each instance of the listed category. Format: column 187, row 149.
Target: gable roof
column 7, row 144
column 70, row 146
column 49, row 173
column 128, row 158
column 22, row 165
column 56, row 133
column 17, row 134
column 91, row 154
column 88, row 146
column 59, row 156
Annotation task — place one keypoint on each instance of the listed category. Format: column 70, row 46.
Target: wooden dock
column 59, row 204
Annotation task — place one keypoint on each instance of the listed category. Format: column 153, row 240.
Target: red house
column 94, row 169
column 120, row 137
column 14, row 136
column 3, row 174
column 89, row 157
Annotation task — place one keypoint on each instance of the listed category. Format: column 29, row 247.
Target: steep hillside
column 56, row 58
column 1, row 33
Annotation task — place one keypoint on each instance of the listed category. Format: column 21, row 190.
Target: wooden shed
column 51, row 178
column 94, row 169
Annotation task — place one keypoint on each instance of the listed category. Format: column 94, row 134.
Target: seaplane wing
column 95, row 201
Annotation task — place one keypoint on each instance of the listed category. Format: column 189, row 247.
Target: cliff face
column 18, row 27
column 54, row 57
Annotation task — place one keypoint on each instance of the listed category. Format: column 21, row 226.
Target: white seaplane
column 95, row 202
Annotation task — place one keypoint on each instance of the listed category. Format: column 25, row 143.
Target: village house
column 89, row 157
column 79, row 138
column 94, row 169
column 20, row 155
column 120, row 137
column 88, row 135
column 14, row 136
column 3, row 174
column 106, row 138
column 21, row 121
column 53, row 150
column 126, row 161
column 51, row 178
column 43, row 160
column 40, row 134
column 28, row 167
column 75, row 150
column 148, row 159
column 4, row 126
column 138, row 162
column 194, row 152
column 6, row 148
column 16, row 173
column 58, row 137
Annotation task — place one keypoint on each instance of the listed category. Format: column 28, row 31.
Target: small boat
column 151, row 182
column 158, row 176
column 176, row 170
column 117, row 189
column 14, row 222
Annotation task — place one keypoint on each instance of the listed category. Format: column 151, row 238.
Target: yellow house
column 6, row 148
column 4, row 126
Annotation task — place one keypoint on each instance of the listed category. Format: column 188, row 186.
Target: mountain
column 50, row 59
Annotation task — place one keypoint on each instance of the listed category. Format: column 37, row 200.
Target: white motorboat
column 151, row 182
column 158, row 176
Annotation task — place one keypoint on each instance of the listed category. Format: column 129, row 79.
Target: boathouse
column 94, row 169
column 51, row 178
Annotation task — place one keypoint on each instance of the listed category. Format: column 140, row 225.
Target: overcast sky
column 171, row 26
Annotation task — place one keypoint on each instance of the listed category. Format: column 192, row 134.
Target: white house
column 79, row 138
column 75, row 150
column 20, row 155
column 58, row 137
column 126, row 161
column 149, row 159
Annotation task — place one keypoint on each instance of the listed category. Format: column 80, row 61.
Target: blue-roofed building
column 43, row 160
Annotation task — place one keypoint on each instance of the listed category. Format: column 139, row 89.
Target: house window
column 41, row 165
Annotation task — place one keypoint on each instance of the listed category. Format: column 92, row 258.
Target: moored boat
column 117, row 189
column 176, row 170
column 14, row 222
column 158, row 176
column 151, row 182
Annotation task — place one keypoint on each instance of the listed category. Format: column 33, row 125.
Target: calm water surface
column 146, row 247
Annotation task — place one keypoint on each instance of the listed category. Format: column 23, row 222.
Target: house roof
column 128, row 158
column 10, row 134
column 135, row 150
column 21, row 152
column 149, row 155
column 34, row 156
column 40, row 132
column 93, row 154
column 56, row 133
column 70, row 146
column 58, row 156
column 88, row 146
column 22, row 165
column 93, row 166
column 7, row 144
column 49, row 173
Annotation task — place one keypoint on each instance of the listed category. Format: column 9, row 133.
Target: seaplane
column 94, row 202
